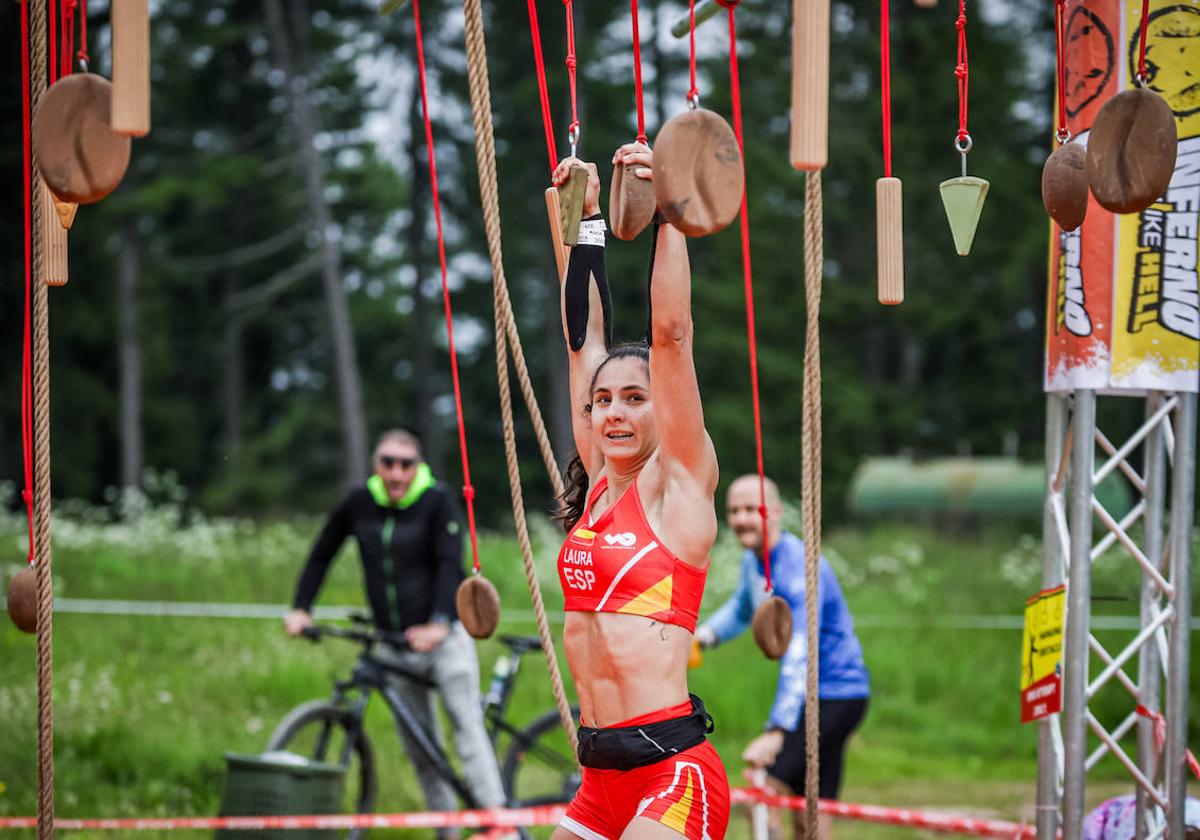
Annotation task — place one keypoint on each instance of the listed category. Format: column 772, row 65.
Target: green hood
column 421, row 482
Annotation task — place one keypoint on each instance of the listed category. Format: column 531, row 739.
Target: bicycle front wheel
column 540, row 768
column 324, row 732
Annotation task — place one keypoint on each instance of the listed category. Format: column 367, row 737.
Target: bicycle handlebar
column 315, row 632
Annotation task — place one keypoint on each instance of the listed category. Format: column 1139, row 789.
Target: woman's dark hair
column 575, row 478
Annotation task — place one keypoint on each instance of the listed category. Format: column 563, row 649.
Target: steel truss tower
column 1155, row 538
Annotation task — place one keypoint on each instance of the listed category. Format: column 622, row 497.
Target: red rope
column 960, row 70
column 67, row 48
column 547, row 125
column 693, row 91
column 1060, row 50
column 1142, row 41
column 468, row 489
column 573, row 129
column 637, row 73
column 885, row 83
column 748, row 285
column 82, row 54
column 26, row 363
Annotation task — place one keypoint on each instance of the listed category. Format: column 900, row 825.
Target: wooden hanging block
column 1065, row 185
column 54, row 240
column 478, row 606
column 925, row 4
column 772, row 627
column 66, row 212
column 1131, row 151
column 631, row 202
column 78, row 154
column 22, row 599
column 131, row 67
column 963, row 198
column 810, row 84
column 698, row 174
column 556, row 236
column 570, row 199
column 889, row 240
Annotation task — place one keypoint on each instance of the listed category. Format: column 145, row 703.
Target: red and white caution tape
column 930, row 821
column 485, row 818
column 540, row 815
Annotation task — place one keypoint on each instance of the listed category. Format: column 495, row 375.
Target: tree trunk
column 130, row 358
column 660, row 75
column 423, row 312
column 354, row 447
column 233, row 379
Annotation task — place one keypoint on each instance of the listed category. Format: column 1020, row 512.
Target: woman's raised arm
column 678, row 410
column 585, row 308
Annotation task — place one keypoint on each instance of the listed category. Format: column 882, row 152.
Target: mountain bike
column 538, row 767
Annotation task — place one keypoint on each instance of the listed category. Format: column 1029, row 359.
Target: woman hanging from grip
column 640, row 522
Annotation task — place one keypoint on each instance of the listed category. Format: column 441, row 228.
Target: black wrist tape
column 586, row 262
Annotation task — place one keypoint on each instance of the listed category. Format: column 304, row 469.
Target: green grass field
column 146, row 707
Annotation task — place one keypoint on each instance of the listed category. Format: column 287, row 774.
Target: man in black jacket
column 410, row 542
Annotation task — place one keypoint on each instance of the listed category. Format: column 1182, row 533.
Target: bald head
column 742, row 503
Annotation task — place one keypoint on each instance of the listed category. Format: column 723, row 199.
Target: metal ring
column 1139, row 80
column 693, row 100
column 963, row 146
column 1063, row 135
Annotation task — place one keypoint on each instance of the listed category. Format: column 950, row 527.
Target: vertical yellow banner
column 1156, row 296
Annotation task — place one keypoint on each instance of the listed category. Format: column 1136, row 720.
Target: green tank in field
column 999, row 486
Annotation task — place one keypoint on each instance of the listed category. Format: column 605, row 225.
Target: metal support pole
column 1183, row 499
column 1149, row 673
column 1052, row 566
column 1079, row 590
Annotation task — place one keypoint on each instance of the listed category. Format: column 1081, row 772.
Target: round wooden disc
column 80, row 157
column 1065, row 185
column 478, row 605
column 1131, row 151
column 698, row 176
column 772, row 626
column 22, row 600
column 631, row 203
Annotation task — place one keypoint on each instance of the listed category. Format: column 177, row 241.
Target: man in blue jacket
column 843, row 685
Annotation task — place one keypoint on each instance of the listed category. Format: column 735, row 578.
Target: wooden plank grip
column 131, row 67
column 570, row 197
column 54, row 240
column 810, row 84
column 889, row 240
column 556, row 238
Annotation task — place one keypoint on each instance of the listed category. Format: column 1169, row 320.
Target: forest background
column 260, row 298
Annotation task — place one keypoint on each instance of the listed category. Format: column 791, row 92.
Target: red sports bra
column 616, row 564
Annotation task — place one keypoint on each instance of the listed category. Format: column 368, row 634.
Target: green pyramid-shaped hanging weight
column 963, row 198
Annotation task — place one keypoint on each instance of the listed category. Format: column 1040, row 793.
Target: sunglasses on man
column 389, row 461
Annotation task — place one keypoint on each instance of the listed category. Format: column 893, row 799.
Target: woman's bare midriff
column 625, row 666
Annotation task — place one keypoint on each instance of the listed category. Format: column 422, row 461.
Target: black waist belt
column 628, row 747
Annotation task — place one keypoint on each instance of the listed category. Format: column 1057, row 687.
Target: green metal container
column 280, row 784
column 995, row 486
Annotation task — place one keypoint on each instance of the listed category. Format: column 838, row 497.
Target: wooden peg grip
column 131, row 67
column 570, row 197
column 889, row 240
column 810, row 84
column 54, row 240
column 556, row 237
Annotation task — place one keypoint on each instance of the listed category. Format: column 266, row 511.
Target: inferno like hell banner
column 1123, row 303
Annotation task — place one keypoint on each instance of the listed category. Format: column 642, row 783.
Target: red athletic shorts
column 688, row 793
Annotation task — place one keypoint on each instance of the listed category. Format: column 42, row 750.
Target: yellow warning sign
column 1041, row 654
